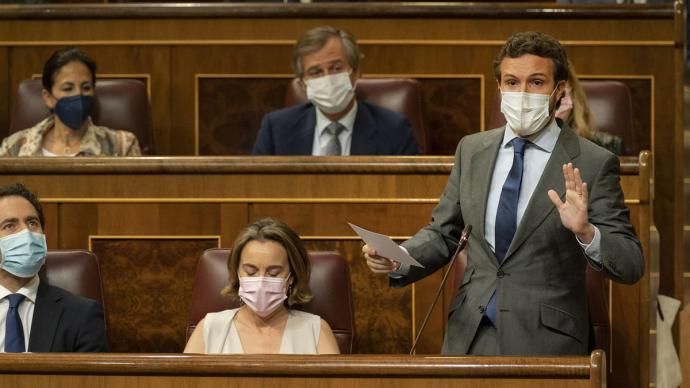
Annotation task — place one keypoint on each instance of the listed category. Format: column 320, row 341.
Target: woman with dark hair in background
column 69, row 79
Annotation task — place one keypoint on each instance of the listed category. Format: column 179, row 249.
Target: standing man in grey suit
column 544, row 204
column 35, row 316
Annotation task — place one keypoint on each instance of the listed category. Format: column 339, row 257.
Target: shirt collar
column 347, row 121
column 29, row 290
column 544, row 139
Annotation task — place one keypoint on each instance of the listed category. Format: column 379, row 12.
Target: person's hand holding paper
column 383, row 255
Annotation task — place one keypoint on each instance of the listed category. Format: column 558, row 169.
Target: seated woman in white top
column 269, row 272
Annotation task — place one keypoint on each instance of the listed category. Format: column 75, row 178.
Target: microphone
column 462, row 242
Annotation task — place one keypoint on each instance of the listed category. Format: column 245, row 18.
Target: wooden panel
column 146, row 286
column 310, row 219
column 453, row 109
column 50, row 212
column 76, row 223
column 189, row 62
column 158, row 219
column 684, row 319
column 230, row 112
column 376, row 332
column 152, row 371
column 5, row 91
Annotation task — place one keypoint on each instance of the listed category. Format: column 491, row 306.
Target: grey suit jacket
column 541, row 298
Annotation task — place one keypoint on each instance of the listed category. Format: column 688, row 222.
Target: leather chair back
column 329, row 285
column 76, row 271
column 402, row 95
column 611, row 106
column 597, row 299
column 120, row 104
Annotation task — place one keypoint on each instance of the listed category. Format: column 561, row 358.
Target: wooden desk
column 185, row 371
column 148, row 220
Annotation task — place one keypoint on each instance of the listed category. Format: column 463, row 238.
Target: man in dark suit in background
column 52, row 319
column 544, row 204
column 326, row 61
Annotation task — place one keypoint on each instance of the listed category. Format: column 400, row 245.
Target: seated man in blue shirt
column 326, row 60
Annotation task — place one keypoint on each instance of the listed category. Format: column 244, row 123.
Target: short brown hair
column 314, row 40
column 535, row 43
column 269, row 229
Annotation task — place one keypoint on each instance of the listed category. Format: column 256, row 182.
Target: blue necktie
column 14, row 332
column 506, row 216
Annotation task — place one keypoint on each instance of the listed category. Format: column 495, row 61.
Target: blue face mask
column 74, row 110
column 23, row 253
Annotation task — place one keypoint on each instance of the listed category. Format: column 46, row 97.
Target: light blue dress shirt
column 537, row 154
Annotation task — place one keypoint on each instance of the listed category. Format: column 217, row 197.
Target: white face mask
column 331, row 93
column 526, row 113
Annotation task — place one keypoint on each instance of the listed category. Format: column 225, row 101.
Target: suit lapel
column 363, row 130
column 566, row 149
column 483, row 162
column 47, row 314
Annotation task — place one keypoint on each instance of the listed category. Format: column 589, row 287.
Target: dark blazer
column 541, row 296
column 64, row 322
column 376, row 131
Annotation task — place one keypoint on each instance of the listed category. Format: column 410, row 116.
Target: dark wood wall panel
column 147, row 285
column 230, row 112
column 453, row 109
column 376, row 332
column 189, row 62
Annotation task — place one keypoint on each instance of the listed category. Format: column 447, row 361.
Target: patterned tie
column 333, row 147
column 14, row 332
column 506, row 216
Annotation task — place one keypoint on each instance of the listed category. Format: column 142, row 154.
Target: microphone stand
column 464, row 237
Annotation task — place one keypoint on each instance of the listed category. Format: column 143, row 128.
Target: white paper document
column 384, row 246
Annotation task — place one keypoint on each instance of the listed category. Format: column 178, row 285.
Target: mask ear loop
column 289, row 289
column 238, row 291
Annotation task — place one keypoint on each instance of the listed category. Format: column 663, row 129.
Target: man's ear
column 48, row 99
column 302, row 85
column 355, row 76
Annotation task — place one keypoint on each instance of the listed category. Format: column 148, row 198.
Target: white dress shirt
column 321, row 137
column 26, row 309
column 537, row 154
